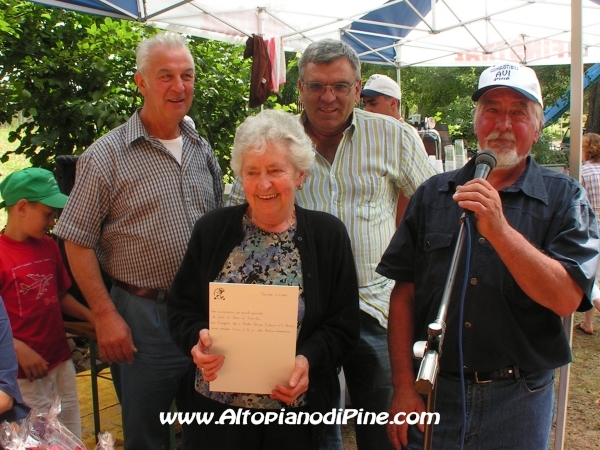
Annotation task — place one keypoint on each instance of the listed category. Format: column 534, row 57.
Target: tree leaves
column 56, row 83
column 73, row 80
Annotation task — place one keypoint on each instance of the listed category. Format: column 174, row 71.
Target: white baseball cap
column 520, row 78
column 380, row 85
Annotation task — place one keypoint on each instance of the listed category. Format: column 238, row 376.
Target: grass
column 16, row 162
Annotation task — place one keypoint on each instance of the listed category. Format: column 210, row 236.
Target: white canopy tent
column 482, row 33
column 398, row 32
column 297, row 23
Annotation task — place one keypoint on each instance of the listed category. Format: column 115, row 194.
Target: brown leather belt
column 150, row 294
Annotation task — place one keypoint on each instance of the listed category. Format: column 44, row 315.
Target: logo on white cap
column 380, row 85
column 520, row 78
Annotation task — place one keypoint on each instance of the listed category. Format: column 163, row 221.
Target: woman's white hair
column 272, row 127
column 168, row 39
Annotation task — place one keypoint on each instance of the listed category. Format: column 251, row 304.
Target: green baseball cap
column 34, row 185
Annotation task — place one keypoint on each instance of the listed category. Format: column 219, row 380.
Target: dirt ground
column 583, row 407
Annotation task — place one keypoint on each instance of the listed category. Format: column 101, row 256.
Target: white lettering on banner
column 335, row 416
column 517, row 51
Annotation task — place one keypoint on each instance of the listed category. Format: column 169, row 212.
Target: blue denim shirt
column 8, row 371
column 502, row 325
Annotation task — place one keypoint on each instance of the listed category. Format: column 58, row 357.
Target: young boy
column 33, row 284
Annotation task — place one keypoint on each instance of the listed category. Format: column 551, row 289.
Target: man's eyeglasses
column 337, row 89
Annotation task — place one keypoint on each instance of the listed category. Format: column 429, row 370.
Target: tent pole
column 575, row 172
column 397, row 50
column 399, row 81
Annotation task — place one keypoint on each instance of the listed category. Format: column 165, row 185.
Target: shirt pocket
column 373, row 199
column 432, row 266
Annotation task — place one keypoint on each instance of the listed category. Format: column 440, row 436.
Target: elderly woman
column 268, row 240
column 590, row 179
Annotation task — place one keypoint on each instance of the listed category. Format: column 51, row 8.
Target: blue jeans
column 149, row 385
column 515, row 413
column 369, row 381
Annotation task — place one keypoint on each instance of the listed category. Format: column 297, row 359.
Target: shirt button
column 428, row 244
column 482, row 240
column 187, row 199
column 468, row 325
column 275, row 258
column 299, row 238
column 473, row 281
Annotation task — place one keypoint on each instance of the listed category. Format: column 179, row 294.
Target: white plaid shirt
column 136, row 205
column 376, row 157
column 590, row 179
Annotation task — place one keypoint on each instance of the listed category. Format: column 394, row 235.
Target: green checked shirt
column 376, row 157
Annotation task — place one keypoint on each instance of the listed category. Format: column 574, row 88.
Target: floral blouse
column 261, row 258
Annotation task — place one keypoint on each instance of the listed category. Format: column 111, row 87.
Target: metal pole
column 426, row 382
column 563, row 392
column 428, row 434
column 575, row 172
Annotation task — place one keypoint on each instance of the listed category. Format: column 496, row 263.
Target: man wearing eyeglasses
column 364, row 162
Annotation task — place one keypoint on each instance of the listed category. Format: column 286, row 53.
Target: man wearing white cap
column 531, row 261
column 382, row 95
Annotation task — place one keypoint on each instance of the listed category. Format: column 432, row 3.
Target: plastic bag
column 13, row 435
column 39, row 431
column 52, row 434
column 106, row 441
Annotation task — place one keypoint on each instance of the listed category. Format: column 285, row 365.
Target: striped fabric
column 376, row 157
column 136, row 205
column 590, row 179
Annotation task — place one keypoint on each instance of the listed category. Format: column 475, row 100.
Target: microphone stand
column 430, row 351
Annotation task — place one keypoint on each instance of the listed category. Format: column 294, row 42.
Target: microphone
column 484, row 164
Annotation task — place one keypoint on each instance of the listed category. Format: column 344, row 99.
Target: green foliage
column 544, row 152
column 72, row 79
column 221, row 95
column 444, row 92
column 554, row 81
column 69, row 74
column 288, row 93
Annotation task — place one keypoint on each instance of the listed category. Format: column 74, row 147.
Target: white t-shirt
column 175, row 146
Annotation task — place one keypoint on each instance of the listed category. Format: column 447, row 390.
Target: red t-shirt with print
column 32, row 274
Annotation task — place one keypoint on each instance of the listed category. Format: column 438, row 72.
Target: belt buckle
column 478, row 381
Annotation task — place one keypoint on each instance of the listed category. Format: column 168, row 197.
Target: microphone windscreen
column 486, row 157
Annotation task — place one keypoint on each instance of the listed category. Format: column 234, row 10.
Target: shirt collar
column 134, row 129
column 531, row 181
